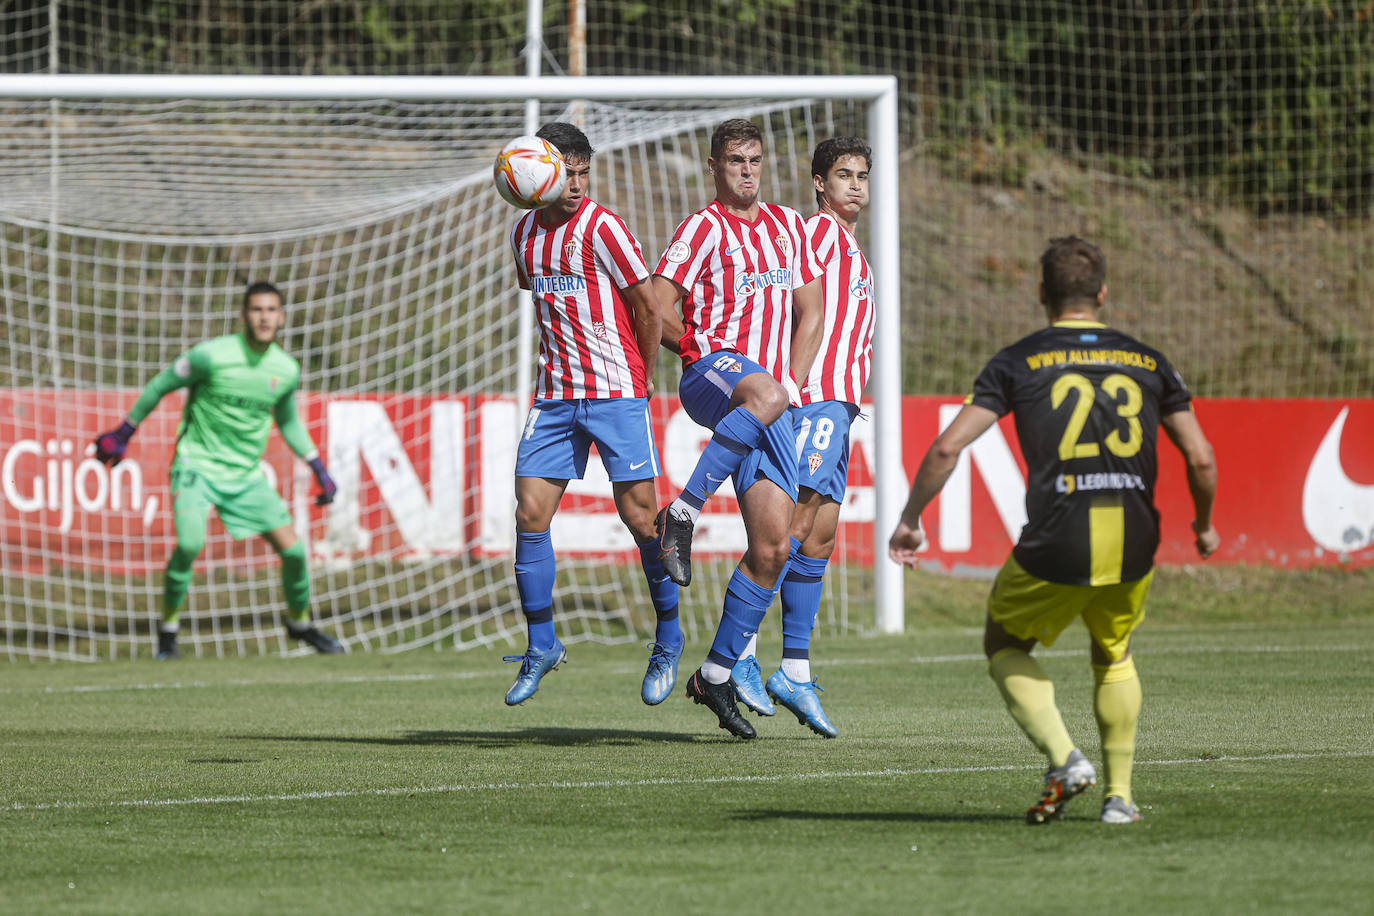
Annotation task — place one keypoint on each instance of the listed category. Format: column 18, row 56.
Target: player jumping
column 829, row 403
column 598, row 341
column 737, row 266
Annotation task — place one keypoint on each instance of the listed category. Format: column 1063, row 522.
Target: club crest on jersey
column 678, row 252
column 570, row 249
column 784, row 244
column 861, row 288
column 599, row 329
column 813, row 461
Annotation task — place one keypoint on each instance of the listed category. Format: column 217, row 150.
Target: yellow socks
column 1029, row 695
column 1116, row 701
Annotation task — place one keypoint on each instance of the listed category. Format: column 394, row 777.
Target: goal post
column 640, row 119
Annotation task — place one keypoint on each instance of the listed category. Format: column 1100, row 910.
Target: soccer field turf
column 369, row 783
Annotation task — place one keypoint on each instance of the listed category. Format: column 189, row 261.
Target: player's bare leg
column 814, row 526
column 636, row 501
column 767, row 514
column 756, row 402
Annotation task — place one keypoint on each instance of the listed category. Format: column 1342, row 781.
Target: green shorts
column 1031, row 608
column 246, row 506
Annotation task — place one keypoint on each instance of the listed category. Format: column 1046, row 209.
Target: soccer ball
column 528, row 173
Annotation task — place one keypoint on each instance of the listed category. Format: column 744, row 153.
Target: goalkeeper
column 239, row 384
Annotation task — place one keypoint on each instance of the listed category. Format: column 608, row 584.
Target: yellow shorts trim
column 1028, row 607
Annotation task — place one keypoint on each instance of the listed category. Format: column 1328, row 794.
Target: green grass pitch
column 402, row 784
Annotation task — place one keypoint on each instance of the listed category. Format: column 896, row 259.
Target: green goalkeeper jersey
column 235, row 394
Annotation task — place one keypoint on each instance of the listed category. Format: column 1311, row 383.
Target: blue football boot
column 801, row 699
column 661, row 675
column 534, row 664
column 748, row 681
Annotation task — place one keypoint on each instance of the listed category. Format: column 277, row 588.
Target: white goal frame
column 879, row 93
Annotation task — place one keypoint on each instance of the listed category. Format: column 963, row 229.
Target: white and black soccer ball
column 529, row 173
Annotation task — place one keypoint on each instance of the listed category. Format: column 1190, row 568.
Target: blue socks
column 746, row 603
column 663, row 593
column 737, row 434
column 534, row 573
column 801, row 601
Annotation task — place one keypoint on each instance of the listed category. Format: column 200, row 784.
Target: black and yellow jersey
column 1087, row 402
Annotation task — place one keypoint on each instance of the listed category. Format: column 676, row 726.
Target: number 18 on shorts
column 823, row 446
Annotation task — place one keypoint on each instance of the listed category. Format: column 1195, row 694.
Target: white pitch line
column 502, row 673
column 628, row 783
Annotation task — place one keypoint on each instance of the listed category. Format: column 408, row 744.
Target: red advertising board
column 429, row 475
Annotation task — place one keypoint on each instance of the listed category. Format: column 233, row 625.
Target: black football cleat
column 318, row 640
column 720, row 699
column 167, row 645
column 675, row 546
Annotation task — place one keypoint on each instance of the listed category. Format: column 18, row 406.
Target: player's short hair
column 828, row 152
column 262, row 286
column 735, row 130
column 1072, row 269
column 568, row 138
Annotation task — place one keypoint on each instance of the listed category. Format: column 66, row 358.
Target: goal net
column 128, row 231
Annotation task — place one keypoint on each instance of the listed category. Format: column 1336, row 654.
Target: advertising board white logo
column 1337, row 512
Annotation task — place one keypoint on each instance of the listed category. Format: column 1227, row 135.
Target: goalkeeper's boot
column 675, row 546
column 534, row 664
column 167, row 645
column 801, row 699
column 748, row 682
column 318, row 640
column 1116, row 810
column 661, row 676
column 720, row 699
column 1061, row 784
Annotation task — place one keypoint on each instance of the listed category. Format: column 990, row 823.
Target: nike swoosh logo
column 1337, row 512
column 635, row 467
column 730, row 251
column 852, row 252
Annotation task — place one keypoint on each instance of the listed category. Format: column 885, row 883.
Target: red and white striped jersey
column 840, row 370
column 738, row 277
column 587, row 344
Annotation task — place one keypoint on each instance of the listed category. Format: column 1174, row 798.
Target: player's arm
column 188, row 369
column 970, row 423
column 297, row 438
column 808, row 327
column 666, row 296
column 648, row 325
column 1186, row 434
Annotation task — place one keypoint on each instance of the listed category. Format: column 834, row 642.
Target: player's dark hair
column 568, row 138
column 735, row 130
column 1072, row 270
column 829, row 151
column 262, row 286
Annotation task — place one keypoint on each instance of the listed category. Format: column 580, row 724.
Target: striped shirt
column 587, row 343
column 738, row 279
column 841, row 368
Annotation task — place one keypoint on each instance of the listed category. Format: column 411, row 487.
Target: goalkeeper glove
column 109, row 447
column 327, row 485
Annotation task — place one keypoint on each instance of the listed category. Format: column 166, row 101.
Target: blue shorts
column 705, row 394
column 559, row 434
column 823, row 446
